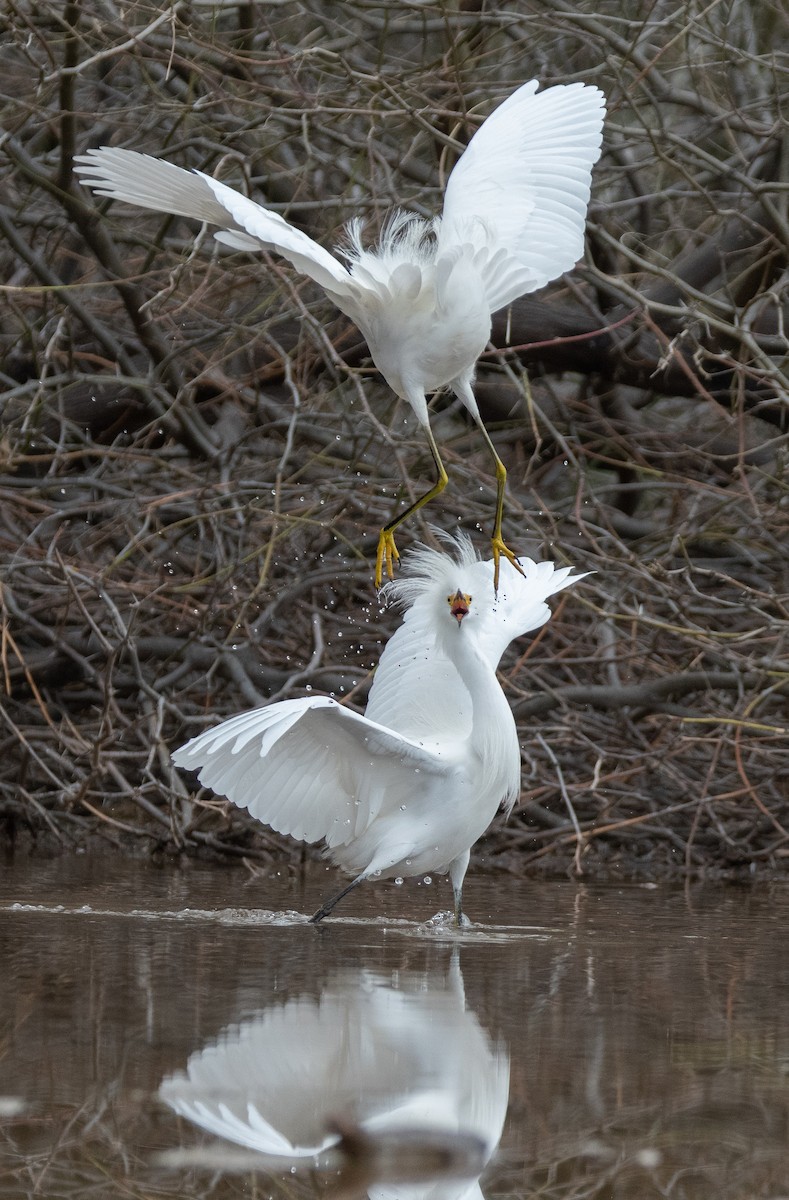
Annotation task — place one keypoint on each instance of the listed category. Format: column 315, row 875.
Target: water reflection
column 386, row 1079
column 647, row 1030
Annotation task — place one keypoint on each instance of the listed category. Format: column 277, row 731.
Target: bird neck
column 493, row 724
column 494, row 737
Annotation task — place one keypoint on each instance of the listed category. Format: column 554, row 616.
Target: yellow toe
column 500, row 548
column 387, row 556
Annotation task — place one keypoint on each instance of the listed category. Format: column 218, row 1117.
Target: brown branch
column 647, row 696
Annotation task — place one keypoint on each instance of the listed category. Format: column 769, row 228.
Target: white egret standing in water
column 513, row 220
column 409, row 787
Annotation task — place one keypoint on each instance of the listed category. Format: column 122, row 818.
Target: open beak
column 459, row 605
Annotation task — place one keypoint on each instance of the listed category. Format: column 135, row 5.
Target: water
column 577, row 1042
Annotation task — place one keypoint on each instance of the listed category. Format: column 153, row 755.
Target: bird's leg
column 497, row 540
column 387, row 551
column 457, row 873
column 462, row 389
column 457, row 895
column 326, row 907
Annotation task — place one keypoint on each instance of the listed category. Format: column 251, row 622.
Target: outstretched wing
column 310, row 768
column 152, row 183
column 522, row 187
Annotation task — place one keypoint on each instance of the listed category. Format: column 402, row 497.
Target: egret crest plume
column 513, row 220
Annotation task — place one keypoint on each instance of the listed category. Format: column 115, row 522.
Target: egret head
column 451, row 596
column 449, row 592
column 459, row 605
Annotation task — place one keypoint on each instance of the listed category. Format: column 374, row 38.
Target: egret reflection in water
column 398, row 1082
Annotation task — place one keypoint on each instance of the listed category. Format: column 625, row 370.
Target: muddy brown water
column 183, row 1032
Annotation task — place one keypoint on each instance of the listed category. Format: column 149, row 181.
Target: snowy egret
column 513, row 220
column 407, row 788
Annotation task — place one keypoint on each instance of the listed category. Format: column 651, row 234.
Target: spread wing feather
column 283, row 763
column 522, row 185
column 153, row 183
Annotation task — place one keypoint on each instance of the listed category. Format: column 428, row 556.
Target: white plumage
column 410, row 786
column 513, row 219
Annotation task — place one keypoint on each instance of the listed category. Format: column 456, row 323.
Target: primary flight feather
column 409, row 787
column 513, row 219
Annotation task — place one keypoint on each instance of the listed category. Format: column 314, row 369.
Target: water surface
column 577, row 1041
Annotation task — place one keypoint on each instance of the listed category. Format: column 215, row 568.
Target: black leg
column 457, row 873
column 326, row 908
column 458, row 898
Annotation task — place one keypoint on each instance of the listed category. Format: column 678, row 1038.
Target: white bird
column 513, row 220
column 409, row 787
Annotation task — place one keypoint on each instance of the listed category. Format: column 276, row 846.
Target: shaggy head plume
column 405, row 237
column 425, row 570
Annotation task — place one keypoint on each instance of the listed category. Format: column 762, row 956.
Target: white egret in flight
column 513, row 220
column 409, row 787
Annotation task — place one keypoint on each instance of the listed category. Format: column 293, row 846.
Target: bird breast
column 436, row 823
column 430, row 324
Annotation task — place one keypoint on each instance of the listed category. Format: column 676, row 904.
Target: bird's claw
column 500, row 548
column 387, row 556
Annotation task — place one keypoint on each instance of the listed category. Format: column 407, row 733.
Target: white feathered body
column 513, row 219
column 409, row 787
column 422, row 308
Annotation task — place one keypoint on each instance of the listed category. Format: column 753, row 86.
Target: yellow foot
column 387, row 553
column 500, row 548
